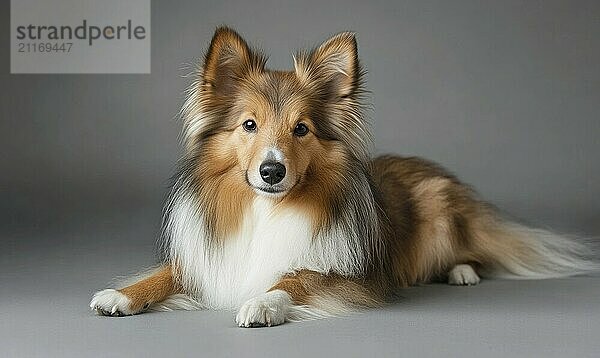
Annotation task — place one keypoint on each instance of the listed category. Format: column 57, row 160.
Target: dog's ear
column 228, row 59
column 334, row 63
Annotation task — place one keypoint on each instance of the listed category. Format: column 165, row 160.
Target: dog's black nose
column 272, row 172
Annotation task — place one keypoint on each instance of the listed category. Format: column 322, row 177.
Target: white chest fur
column 270, row 243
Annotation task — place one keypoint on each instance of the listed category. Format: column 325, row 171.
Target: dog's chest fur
column 269, row 244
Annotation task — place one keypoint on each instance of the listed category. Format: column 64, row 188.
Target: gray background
column 504, row 93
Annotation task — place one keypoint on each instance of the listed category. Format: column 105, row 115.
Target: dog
column 279, row 211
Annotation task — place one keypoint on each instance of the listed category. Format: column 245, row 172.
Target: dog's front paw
column 463, row 275
column 111, row 302
column 269, row 309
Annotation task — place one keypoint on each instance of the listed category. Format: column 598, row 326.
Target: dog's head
column 274, row 131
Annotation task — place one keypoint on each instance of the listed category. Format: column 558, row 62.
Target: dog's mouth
column 271, row 190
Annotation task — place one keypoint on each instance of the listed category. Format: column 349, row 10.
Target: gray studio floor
column 45, row 293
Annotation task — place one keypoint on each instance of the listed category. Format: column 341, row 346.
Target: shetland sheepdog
column 278, row 210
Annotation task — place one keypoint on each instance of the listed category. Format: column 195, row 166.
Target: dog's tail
column 511, row 250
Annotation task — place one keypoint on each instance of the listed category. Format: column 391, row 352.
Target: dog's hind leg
column 137, row 297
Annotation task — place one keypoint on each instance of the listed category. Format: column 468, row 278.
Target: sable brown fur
column 152, row 289
column 305, row 286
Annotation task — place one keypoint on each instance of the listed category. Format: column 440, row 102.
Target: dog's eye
column 249, row 125
column 301, row 130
